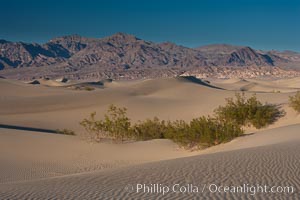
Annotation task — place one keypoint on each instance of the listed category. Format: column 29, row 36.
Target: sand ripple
column 271, row 165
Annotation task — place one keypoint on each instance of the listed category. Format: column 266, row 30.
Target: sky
column 261, row 24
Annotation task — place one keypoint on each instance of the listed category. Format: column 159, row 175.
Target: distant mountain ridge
column 122, row 53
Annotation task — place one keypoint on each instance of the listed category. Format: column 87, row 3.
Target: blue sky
column 262, row 24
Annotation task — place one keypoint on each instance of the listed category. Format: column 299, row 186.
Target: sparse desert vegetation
column 82, row 87
column 248, row 112
column 226, row 124
column 65, row 132
column 149, row 129
column 149, row 99
column 202, row 132
column 185, row 118
column 294, row 102
column 116, row 125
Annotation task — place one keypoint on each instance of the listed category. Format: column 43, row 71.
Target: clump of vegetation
column 212, row 131
column 65, row 132
column 247, row 112
column 200, row 132
column 93, row 127
column 149, row 129
column 294, row 102
column 178, row 131
column 116, row 125
column 87, row 88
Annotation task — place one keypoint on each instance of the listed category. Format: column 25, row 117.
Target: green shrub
column 88, row 88
column 84, row 87
column 65, row 132
column 227, row 131
column 200, row 132
column 96, row 129
column 208, row 131
column 247, row 112
column 294, row 102
column 265, row 115
column 149, row 129
column 178, row 131
column 116, row 124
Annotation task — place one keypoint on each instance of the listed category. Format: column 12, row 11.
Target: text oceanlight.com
column 212, row 188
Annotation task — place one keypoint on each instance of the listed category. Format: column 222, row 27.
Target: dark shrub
column 211, row 131
column 200, row 132
column 116, row 125
column 178, row 131
column 265, row 115
column 294, row 102
column 96, row 129
column 65, row 132
column 149, row 129
column 246, row 112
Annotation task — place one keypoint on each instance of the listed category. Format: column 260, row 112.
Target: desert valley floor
column 40, row 165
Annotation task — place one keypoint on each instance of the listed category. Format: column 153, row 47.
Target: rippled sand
column 38, row 165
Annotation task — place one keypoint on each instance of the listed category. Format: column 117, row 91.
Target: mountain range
column 126, row 56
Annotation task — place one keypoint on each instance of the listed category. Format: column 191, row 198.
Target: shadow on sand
column 24, row 128
column 199, row 81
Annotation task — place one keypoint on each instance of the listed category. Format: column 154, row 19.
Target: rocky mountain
column 228, row 55
column 15, row 55
column 122, row 54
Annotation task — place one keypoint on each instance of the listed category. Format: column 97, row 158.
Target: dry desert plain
column 40, row 165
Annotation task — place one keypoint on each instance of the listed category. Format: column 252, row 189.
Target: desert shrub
column 149, row 129
column 265, row 115
column 246, row 112
column 95, row 129
column 202, row 131
column 226, row 130
column 208, row 131
column 84, row 87
column 234, row 111
column 88, row 88
column 294, row 102
column 116, row 124
column 178, row 131
column 65, row 132
column 199, row 132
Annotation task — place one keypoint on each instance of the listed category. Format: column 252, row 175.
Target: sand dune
column 39, row 165
column 45, row 106
column 57, row 108
column 32, row 155
column 273, row 164
column 257, row 85
column 173, row 98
